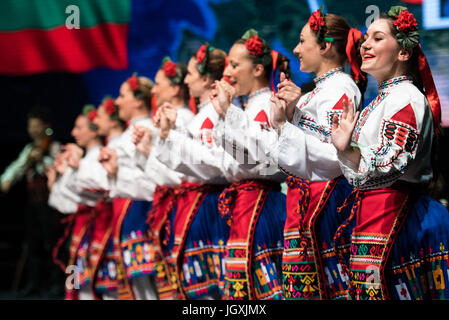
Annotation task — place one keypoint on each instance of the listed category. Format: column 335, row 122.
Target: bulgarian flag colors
column 63, row 35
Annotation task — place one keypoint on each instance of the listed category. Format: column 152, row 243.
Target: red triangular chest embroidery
column 263, row 118
column 406, row 115
column 339, row 104
column 207, row 124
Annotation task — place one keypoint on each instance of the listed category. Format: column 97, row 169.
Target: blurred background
column 63, row 54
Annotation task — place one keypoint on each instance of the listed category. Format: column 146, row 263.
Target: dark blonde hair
column 215, row 64
column 337, row 28
column 412, row 65
column 282, row 63
column 184, row 90
column 143, row 92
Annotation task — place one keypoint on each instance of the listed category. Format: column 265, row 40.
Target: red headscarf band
column 274, row 56
column 192, row 104
column 429, row 88
column 351, row 51
column 225, row 78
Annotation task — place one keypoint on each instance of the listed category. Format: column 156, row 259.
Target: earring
column 49, row 131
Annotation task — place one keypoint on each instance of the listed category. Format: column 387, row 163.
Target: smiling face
column 241, row 70
column 82, row 132
column 382, row 56
column 196, row 82
column 308, row 50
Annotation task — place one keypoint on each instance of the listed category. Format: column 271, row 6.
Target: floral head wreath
column 317, row 23
column 171, row 71
column 134, row 84
column 110, row 107
column 257, row 47
column 408, row 37
column 405, row 23
column 202, row 57
column 91, row 113
column 136, row 87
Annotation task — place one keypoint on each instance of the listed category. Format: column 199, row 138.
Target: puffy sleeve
column 306, row 156
column 248, row 136
column 183, row 119
column 16, row 169
column 163, row 160
column 93, row 176
column 63, row 198
column 304, row 148
column 131, row 182
column 190, row 156
column 387, row 143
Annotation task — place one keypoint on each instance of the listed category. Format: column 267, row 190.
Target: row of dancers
column 267, row 191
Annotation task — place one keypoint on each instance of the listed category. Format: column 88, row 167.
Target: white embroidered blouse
column 67, row 192
column 155, row 169
column 394, row 134
column 130, row 181
column 304, row 148
column 244, row 134
column 185, row 152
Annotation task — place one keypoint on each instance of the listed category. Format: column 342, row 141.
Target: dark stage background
column 177, row 28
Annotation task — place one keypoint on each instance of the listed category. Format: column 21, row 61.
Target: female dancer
column 253, row 205
column 200, row 234
column 102, row 256
column 68, row 196
column 132, row 192
column 134, row 103
column 399, row 239
column 172, row 94
column 302, row 147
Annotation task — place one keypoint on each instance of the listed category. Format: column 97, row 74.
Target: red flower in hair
column 201, row 54
column 254, row 45
column 109, row 106
column 92, row 115
column 170, row 69
column 405, row 21
column 316, row 21
column 133, row 83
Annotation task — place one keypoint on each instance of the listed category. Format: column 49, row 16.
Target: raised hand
column 35, row 155
column 51, row 174
column 221, row 96
column 108, row 159
column 142, row 138
column 171, row 113
column 6, row 186
column 342, row 130
column 290, row 93
column 74, row 155
column 278, row 114
column 61, row 162
column 168, row 115
column 74, row 148
column 157, row 118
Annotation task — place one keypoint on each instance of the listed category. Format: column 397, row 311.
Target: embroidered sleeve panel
column 304, row 155
column 316, row 113
column 387, row 153
column 263, row 120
